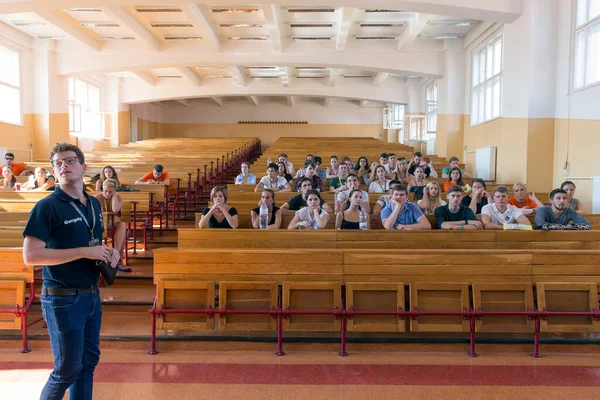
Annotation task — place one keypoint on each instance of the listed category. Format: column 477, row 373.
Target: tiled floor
column 251, row 371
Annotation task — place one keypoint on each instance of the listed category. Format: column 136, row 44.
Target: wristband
column 462, row 227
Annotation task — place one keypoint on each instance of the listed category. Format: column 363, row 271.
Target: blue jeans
column 74, row 330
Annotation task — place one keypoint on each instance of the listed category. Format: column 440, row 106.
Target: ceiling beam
column 189, row 74
column 72, row 28
column 254, row 100
column 380, row 78
column 291, row 101
column 273, row 18
column 334, row 77
column 286, row 74
column 239, row 76
column 146, row 76
column 15, row 35
column 123, row 18
column 199, row 17
column 412, row 31
column 344, row 25
column 363, row 103
column 183, row 101
column 327, row 101
column 218, row 100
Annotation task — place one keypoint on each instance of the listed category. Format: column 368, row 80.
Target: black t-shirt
column 413, row 167
column 213, row 223
column 298, row 202
column 275, row 209
column 443, row 214
column 55, row 221
column 466, row 201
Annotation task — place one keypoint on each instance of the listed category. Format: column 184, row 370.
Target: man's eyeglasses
column 9, row 158
column 66, row 161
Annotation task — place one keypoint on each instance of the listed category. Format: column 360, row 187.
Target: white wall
column 231, row 115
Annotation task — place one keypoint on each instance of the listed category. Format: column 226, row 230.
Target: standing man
column 64, row 234
column 245, row 178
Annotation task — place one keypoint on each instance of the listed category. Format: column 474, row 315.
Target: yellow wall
column 540, row 154
column 268, row 134
column 583, row 146
column 450, row 135
column 14, row 137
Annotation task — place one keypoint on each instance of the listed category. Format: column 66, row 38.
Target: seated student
column 384, row 201
column 417, row 183
column 558, row 214
column 417, row 161
column 346, row 160
column 310, row 173
column 343, row 196
column 454, row 164
column 156, row 176
column 288, row 164
column 381, row 184
column 301, row 171
column 454, row 179
column 220, row 215
column 42, row 181
column 431, row 198
column 454, row 215
column 391, row 164
column 400, row 173
column 112, row 202
column 362, row 169
column 268, row 197
column 383, row 160
column 245, row 177
column 320, row 171
column 574, row 203
column 478, row 198
column 9, row 181
column 108, row 172
column 312, row 216
column 283, row 171
column 527, row 202
column 350, row 218
column 273, row 181
column 332, row 170
column 18, row 169
column 495, row 215
column 427, row 163
column 338, row 183
column 299, row 201
column 402, row 214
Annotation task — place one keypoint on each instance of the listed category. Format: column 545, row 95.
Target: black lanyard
column 85, row 218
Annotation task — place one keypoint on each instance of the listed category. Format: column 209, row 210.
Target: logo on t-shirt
column 70, row 221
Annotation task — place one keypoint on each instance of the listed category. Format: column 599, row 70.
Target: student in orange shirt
column 527, row 202
column 17, row 168
column 157, row 176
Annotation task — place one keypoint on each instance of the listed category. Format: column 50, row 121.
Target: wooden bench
column 15, row 299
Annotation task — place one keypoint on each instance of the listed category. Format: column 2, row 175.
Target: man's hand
column 104, row 254
column 478, row 224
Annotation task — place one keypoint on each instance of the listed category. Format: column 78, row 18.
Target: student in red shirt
column 157, row 176
column 17, row 168
column 523, row 200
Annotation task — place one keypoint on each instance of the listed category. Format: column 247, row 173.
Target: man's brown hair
column 63, row 146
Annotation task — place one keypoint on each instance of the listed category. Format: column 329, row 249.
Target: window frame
column 75, row 129
column 433, row 112
column 575, row 30
column 485, row 83
column 19, row 88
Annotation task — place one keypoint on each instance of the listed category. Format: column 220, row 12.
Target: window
column 431, row 99
column 587, row 43
column 10, row 91
column 85, row 119
column 486, row 92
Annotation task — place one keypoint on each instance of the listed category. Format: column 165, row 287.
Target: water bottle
column 313, row 224
column 263, row 217
column 362, row 221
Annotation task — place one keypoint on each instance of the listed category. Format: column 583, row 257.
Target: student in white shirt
column 311, row 217
column 273, row 181
column 344, row 195
column 380, row 184
column 495, row 215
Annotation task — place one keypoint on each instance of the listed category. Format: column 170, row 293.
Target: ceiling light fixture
column 241, row 25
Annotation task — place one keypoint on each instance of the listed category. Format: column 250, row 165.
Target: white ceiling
column 122, row 32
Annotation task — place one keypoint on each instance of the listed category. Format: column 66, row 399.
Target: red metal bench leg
column 472, row 352
column 153, row 350
column 536, row 339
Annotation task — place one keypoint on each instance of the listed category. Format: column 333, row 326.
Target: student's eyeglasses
column 9, row 158
column 65, row 161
